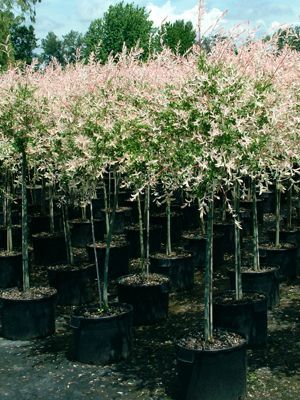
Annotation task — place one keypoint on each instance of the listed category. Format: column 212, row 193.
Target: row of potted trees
column 202, row 128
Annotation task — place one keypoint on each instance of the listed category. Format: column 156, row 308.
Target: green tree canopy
column 122, row 23
column 289, row 37
column 70, row 43
column 179, row 36
column 23, row 42
column 52, row 48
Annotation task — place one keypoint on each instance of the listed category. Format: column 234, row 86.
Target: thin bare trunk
column 25, row 260
column 237, row 244
column 208, row 305
column 108, row 243
column 148, row 229
column 8, row 215
column 277, row 239
column 70, row 256
column 141, row 229
column 96, row 256
column 290, row 208
column 51, row 209
column 106, row 208
column 169, row 243
column 256, row 259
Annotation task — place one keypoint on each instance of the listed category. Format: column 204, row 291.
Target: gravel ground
column 42, row 369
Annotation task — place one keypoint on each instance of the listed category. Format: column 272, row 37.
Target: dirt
column 141, row 280
column 34, row 293
column 220, row 340
column 43, row 369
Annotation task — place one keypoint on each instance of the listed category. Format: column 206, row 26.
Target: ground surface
column 41, row 369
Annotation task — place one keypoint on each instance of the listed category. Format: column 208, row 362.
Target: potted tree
column 28, row 313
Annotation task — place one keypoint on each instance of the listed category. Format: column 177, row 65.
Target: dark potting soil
column 247, row 268
column 117, row 241
column 33, row 293
column 272, row 246
column 229, row 298
column 48, row 234
column 173, row 255
column 142, row 280
column 221, row 340
column 5, row 253
column 68, row 267
column 111, row 311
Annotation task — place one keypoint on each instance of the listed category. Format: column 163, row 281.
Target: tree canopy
column 122, row 23
column 179, row 36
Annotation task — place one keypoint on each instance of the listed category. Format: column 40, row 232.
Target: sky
column 61, row 16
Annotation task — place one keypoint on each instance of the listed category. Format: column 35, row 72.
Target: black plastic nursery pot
column 74, row 284
column 150, row 302
column 49, row 248
column 287, row 236
column 81, row 232
column 122, row 219
column 263, row 281
column 190, row 217
column 284, row 257
column 247, row 317
column 16, row 236
column 196, row 244
column 25, row 319
column 103, row 339
column 179, row 268
column 15, row 216
column 10, row 270
column 269, row 202
column 133, row 237
column 118, row 258
column 212, row 374
column 248, row 204
column 227, row 230
column 41, row 223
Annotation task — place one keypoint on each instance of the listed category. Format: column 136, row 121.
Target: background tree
column 289, row 37
column 23, row 42
column 93, row 40
column 12, row 12
column 122, row 23
column 179, row 36
column 52, row 48
column 71, row 42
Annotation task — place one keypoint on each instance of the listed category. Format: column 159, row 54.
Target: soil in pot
column 49, row 248
column 118, row 258
column 149, row 297
column 28, row 315
column 133, row 237
column 74, row 284
column 102, row 337
column 214, row 370
column 10, row 269
column 195, row 243
column 284, row 257
column 247, row 316
column 178, row 267
column 81, row 231
column 263, row 281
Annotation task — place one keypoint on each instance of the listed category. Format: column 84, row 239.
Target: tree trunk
column 169, row 243
column 208, row 306
column 141, row 235
column 70, row 256
column 108, row 242
column 256, row 260
column 277, row 240
column 237, row 244
column 96, row 256
column 25, row 261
